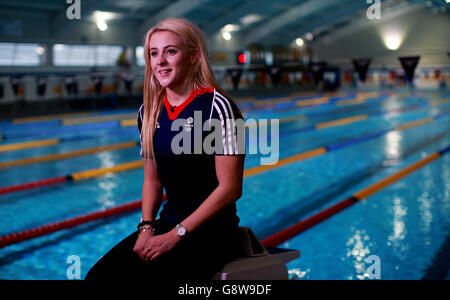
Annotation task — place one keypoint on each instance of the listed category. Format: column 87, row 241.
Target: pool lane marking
column 358, row 100
column 372, row 189
column 58, row 156
column 37, row 119
column 310, row 102
column 77, row 176
column 294, row 230
column 101, row 171
column 272, row 240
column 277, row 100
column 68, row 223
column 27, row 145
column 248, row 172
column 125, row 123
column 285, row 161
column 337, row 122
column 414, row 123
column 133, row 122
column 437, row 102
column 86, row 120
column 312, row 99
column 333, row 147
column 133, row 165
column 341, row 122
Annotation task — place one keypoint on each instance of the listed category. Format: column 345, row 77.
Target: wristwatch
column 181, row 230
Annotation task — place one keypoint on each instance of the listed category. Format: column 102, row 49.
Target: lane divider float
column 336, row 146
column 72, row 177
column 248, row 172
column 78, row 121
column 294, row 230
column 64, row 155
column 37, row 119
column 25, row 235
column 133, row 122
column 27, row 145
column 270, row 241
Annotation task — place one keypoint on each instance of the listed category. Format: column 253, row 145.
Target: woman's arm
column 151, row 191
column 151, row 201
column 229, row 170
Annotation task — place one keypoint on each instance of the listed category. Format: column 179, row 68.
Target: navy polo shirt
column 185, row 166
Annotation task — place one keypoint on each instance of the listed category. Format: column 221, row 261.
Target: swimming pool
column 405, row 224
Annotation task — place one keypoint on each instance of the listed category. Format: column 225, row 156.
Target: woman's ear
column 195, row 56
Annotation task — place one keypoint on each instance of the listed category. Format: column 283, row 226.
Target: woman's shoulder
column 224, row 105
column 140, row 117
column 140, row 112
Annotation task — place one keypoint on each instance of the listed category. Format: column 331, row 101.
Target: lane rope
column 336, row 146
column 248, row 172
column 72, row 177
column 64, row 155
column 24, row 235
column 294, row 230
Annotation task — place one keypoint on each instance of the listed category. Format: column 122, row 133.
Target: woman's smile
column 170, row 59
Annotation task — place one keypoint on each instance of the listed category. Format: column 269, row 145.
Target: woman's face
column 170, row 59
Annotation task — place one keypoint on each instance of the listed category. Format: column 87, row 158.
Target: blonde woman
column 192, row 151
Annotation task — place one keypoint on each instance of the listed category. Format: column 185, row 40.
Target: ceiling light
column 231, row 27
column 392, row 42
column 392, row 37
column 105, row 15
column 40, row 50
column 309, row 36
column 102, row 26
column 250, row 19
column 226, row 35
column 59, row 47
column 299, row 42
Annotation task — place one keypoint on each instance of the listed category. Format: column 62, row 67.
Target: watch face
column 181, row 231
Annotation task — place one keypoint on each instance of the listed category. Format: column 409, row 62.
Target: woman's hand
column 139, row 247
column 159, row 244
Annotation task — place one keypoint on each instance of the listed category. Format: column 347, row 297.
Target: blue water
column 404, row 225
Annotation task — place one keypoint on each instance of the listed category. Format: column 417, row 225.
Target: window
column 140, row 56
column 85, row 55
column 19, row 54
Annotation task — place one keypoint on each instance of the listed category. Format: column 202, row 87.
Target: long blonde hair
column 200, row 75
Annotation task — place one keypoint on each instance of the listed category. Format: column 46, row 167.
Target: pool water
column 406, row 225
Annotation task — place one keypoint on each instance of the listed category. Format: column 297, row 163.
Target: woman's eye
column 153, row 53
column 171, row 51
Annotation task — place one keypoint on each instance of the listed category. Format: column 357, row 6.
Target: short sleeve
column 226, row 113
column 140, row 117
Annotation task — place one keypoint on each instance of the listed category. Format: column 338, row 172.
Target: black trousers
column 198, row 256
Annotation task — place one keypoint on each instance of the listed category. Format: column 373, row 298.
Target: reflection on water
column 392, row 147
column 399, row 230
column 106, row 184
column 358, row 249
column 106, row 159
column 296, row 273
column 107, row 187
column 425, row 205
column 396, row 239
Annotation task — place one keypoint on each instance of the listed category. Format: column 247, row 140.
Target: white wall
column 424, row 33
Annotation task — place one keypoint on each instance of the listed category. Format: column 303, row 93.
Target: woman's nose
column 161, row 60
